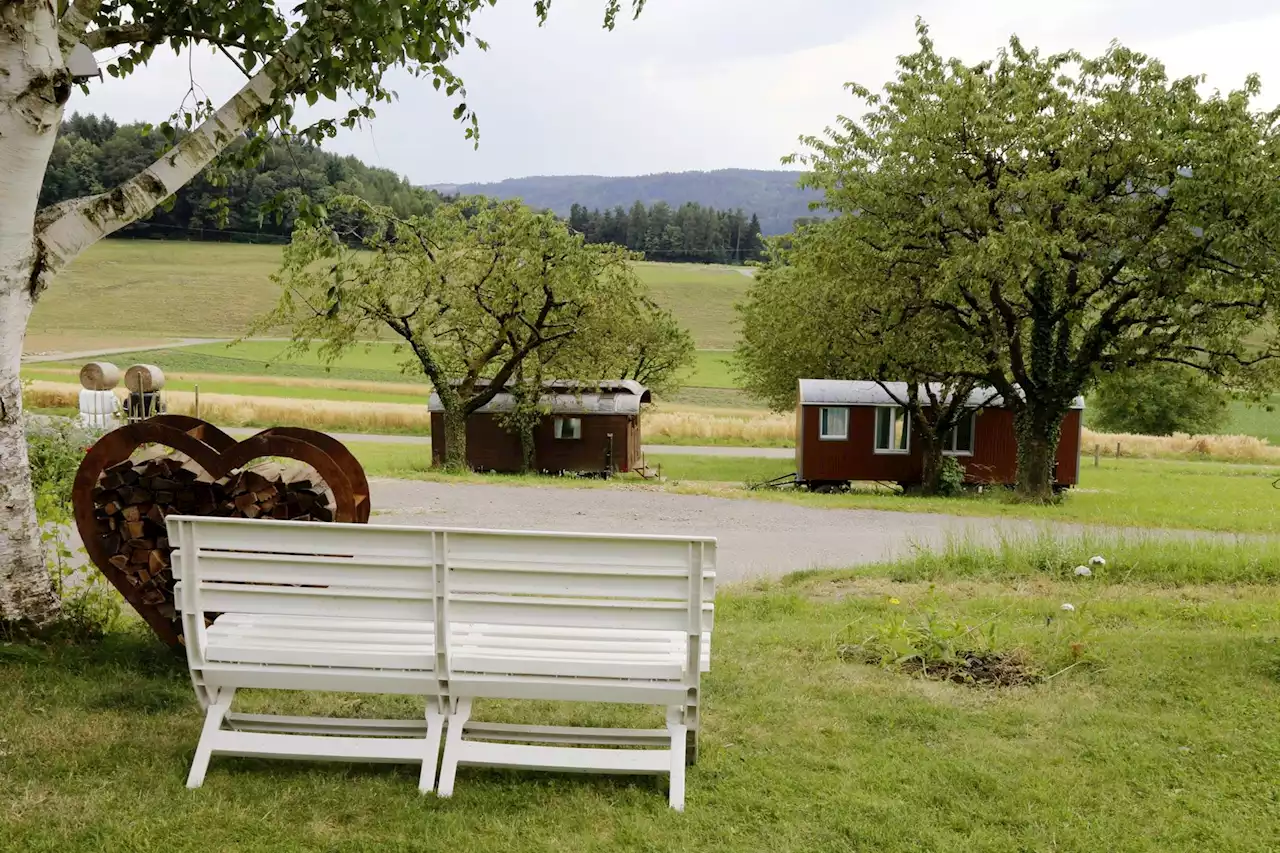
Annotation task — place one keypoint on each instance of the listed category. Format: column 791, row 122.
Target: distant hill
column 771, row 195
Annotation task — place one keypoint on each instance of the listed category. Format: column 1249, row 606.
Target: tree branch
column 135, row 33
column 79, row 14
column 67, row 229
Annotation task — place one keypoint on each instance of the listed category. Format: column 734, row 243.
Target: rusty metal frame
column 218, row 454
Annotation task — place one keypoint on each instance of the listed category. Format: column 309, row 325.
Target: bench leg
column 212, row 725
column 452, row 747
column 435, row 724
column 678, row 729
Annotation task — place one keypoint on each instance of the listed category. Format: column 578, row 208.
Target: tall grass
column 1224, row 448
column 761, row 429
column 372, row 386
column 1168, row 560
column 232, row 410
column 687, row 424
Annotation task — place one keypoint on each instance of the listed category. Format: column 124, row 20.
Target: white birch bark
column 33, row 87
column 68, row 229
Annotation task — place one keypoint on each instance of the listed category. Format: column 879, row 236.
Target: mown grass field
column 1152, row 728
column 259, row 368
column 151, row 289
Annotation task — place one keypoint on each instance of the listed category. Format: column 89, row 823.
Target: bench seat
column 321, row 642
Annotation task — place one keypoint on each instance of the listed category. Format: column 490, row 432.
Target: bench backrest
column 563, row 580
column 443, row 576
column 277, row 568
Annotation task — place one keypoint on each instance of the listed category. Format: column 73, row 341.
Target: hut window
column 835, row 424
column 892, row 434
column 569, row 428
column 959, row 439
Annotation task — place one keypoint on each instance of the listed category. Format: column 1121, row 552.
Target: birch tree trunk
column 33, row 87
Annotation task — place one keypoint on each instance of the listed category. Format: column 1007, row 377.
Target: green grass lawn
column 145, row 288
column 1163, row 738
column 1121, row 493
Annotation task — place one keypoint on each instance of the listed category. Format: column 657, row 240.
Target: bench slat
column 564, row 759
column 280, row 569
column 336, row 679
column 586, row 613
column 556, row 583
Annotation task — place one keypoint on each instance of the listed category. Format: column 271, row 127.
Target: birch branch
column 67, row 229
column 79, row 14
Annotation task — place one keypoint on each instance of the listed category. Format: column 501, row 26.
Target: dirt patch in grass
column 975, row 669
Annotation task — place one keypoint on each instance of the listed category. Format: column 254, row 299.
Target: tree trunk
column 931, row 460
column 1037, row 433
column 528, row 447
column 33, row 87
column 26, row 589
column 455, row 440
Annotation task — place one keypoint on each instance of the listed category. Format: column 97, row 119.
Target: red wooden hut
column 586, row 427
column 856, row 430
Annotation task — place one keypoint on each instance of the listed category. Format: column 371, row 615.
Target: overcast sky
column 707, row 84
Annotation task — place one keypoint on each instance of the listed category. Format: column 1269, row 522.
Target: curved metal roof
column 562, row 404
column 865, row 392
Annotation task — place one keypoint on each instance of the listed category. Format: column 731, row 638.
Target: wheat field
column 691, row 425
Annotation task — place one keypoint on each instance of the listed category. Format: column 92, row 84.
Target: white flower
column 1097, row 561
column 1068, row 607
column 1083, row 572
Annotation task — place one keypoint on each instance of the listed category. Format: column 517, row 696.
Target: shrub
column 950, row 477
column 55, row 447
column 1160, row 400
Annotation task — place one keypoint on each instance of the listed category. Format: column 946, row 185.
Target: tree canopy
column 1077, row 214
column 258, row 200
column 339, row 50
column 474, row 291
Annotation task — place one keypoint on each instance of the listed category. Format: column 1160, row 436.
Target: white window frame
column 973, row 438
column 906, row 433
column 575, row 429
column 823, row 433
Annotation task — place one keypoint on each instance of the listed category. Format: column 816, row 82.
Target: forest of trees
column 773, row 195
column 690, row 233
column 259, row 203
column 94, row 154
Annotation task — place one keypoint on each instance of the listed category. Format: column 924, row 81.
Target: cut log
column 133, row 499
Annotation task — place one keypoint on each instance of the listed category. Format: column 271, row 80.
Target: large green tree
column 479, row 292
column 1079, row 213
column 308, row 50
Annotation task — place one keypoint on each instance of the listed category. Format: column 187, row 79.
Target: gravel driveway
column 757, row 538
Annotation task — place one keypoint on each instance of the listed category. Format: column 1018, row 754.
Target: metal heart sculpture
column 108, row 510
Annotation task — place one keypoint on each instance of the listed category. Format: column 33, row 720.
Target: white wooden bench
column 331, row 607
column 455, row 616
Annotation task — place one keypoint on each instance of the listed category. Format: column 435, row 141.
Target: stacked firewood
column 132, row 499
